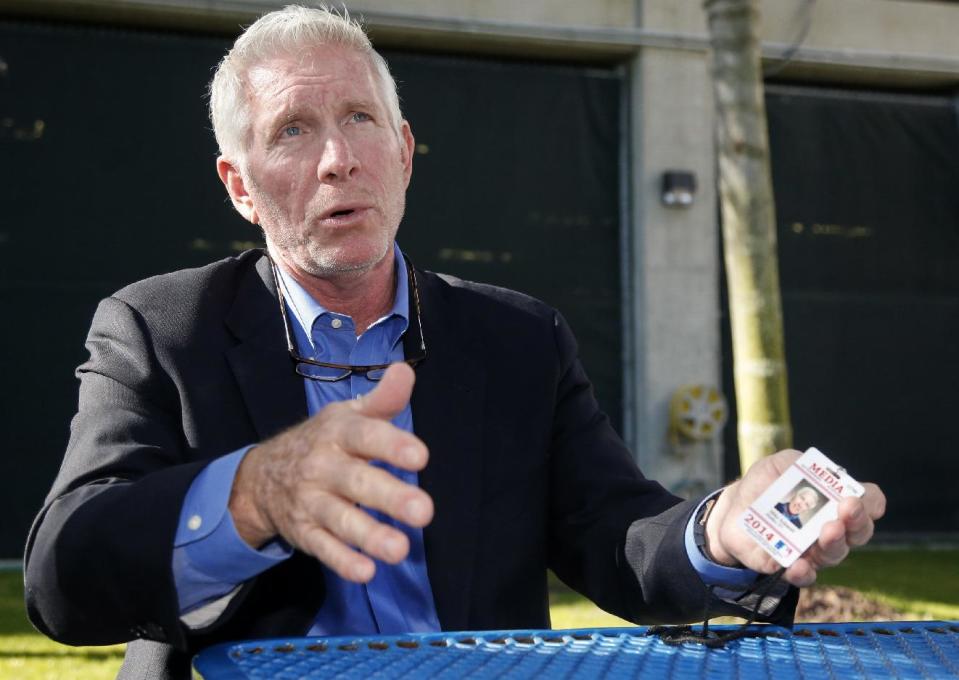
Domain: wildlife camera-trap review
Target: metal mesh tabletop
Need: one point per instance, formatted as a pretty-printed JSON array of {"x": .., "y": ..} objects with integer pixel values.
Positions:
[{"x": 922, "y": 649}]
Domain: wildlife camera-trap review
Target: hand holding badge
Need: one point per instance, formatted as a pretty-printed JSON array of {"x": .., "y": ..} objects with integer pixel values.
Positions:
[
  {"x": 795, "y": 510},
  {"x": 788, "y": 517},
  {"x": 784, "y": 505}
]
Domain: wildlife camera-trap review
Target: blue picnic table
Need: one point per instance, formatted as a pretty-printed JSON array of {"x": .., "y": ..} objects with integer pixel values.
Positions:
[{"x": 848, "y": 651}]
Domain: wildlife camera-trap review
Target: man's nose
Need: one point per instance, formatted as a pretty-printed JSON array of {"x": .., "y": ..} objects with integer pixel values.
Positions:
[{"x": 337, "y": 161}]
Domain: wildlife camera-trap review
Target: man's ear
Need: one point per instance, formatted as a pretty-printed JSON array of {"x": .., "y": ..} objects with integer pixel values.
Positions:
[
  {"x": 236, "y": 188},
  {"x": 407, "y": 145}
]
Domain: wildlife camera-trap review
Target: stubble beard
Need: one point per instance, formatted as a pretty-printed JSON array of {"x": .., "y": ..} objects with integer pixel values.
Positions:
[{"x": 325, "y": 262}]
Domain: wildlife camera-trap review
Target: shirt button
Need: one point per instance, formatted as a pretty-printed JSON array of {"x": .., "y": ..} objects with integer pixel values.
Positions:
[
  {"x": 194, "y": 522},
  {"x": 336, "y": 323}
]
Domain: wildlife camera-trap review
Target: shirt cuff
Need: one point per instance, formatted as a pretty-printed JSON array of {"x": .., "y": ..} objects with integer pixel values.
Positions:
[
  {"x": 711, "y": 573},
  {"x": 209, "y": 557}
]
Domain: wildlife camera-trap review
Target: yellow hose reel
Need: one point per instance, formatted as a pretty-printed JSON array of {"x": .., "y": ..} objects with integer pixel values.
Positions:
[{"x": 698, "y": 412}]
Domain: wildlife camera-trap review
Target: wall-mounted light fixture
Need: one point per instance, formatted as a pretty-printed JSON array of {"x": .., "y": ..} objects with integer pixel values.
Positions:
[{"x": 679, "y": 187}]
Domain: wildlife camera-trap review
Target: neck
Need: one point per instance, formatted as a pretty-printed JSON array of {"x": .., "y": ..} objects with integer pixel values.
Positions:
[{"x": 363, "y": 296}]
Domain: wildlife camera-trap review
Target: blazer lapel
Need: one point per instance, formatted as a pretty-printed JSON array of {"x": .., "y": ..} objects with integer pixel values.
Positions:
[
  {"x": 273, "y": 393},
  {"x": 448, "y": 401}
]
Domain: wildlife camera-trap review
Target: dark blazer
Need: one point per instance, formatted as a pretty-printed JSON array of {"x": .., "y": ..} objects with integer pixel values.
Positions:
[{"x": 525, "y": 471}]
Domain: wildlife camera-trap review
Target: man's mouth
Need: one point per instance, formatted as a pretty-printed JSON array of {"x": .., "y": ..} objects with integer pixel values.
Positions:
[{"x": 344, "y": 213}]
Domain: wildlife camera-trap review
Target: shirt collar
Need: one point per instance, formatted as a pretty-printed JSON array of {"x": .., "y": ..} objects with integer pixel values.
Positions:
[{"x": 306, "y": 310}]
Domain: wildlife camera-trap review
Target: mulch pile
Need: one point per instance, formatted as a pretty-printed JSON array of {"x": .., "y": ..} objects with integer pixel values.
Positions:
[{"x": 837, "y": 604}]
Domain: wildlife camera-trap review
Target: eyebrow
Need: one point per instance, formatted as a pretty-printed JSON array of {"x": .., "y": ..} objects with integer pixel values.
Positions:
[
  {"x": 286, "y": 116},
  {"x": 361, "y": 104},
  {"x": 291, "y": 114}
]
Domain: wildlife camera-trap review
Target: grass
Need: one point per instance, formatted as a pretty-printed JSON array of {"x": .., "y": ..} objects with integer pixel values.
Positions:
[
  {"x": 33, "y": 657},
  {"x": 27, "y": 655},
  {"x": 923, "y": 584},
  {"x": 920, "y": 584}
]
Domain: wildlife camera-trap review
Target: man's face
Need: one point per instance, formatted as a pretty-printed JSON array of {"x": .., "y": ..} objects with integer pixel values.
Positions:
[
  {"x": 799, "y": 504},
  {"x": 325, "y": 173}
]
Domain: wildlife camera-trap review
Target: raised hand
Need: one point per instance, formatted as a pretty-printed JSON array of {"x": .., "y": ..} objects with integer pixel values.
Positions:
[{"x": 306, "y": 483}]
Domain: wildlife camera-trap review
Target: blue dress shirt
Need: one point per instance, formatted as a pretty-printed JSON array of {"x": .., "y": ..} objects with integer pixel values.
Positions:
[{"x": 210, "y": 560}]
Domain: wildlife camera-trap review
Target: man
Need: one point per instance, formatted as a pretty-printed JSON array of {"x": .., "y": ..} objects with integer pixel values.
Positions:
[
  {"x": 197, "y": 501},
  {"x": 802, "y": 500}
]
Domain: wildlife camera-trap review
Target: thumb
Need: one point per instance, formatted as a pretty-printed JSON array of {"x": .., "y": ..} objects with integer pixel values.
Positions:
[{"x": 391, "y": 395}]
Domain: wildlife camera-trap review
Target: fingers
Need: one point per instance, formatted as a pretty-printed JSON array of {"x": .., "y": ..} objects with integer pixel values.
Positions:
[
  {"x": 854, "y": 527},
  {"x": 800, "y": 573},
  {"x": 859, "y": 514},
  {"x": 331, "y": 528},
  {"x": 374, "y": 438},
  {"x": 763, "y": 473},
  {"x": 379, "y": 440},
  {"x": 832, "y": 546},
  {"x": 336, "y": 555},
  {"x": 856, "y": 520},
  {"x": 391, "y": 394},
  {"x": 354, "y": 527},
  {"x": 375, "y": 488},
  {"x": 874, "y": 501},
  {"x": 783, "y": 460}
]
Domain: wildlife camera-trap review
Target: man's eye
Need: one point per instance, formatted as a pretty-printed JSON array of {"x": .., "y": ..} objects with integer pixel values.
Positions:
[
  {"x": 291, "y": 131},
  {"x": 360, "y": 117}
]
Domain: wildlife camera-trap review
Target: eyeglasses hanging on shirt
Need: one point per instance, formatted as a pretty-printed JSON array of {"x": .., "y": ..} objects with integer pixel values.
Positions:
[{"x": 329, "y": 372}]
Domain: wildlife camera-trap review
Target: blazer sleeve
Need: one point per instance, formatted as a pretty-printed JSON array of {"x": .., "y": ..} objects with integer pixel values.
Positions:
[
  {"x": 616, "y": 536},
  {"x": 97, "y": 567}
]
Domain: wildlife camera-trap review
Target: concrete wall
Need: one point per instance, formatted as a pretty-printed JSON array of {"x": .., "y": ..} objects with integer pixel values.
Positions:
[
  {"x": 676, "y": 273},
  {"x": 673, "y": 280},
  {"x": 675, "y": 270}
]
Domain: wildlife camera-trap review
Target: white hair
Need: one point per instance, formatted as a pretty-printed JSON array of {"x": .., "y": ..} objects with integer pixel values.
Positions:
[
  {"x": 810, "y": 494},
  {"x": 287, "y": 31}
]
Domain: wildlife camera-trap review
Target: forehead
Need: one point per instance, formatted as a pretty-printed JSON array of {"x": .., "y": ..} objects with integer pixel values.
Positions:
[{"x": 324, "y": 74}]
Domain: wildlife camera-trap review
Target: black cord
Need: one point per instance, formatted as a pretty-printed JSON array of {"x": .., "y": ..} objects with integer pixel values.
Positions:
[{"x": 677, "y": 635}]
